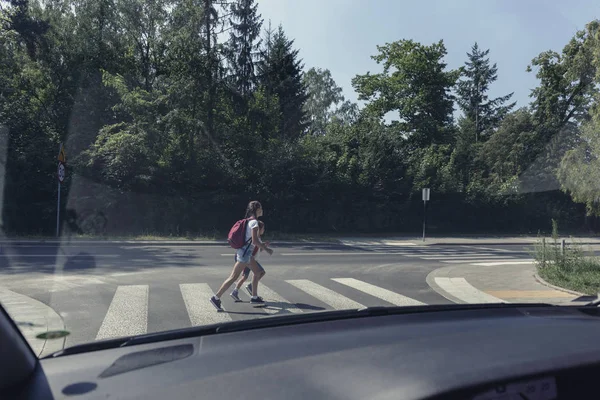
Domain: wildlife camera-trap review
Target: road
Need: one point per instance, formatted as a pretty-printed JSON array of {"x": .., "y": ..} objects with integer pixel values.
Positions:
[{"x": 109, "y": 290}]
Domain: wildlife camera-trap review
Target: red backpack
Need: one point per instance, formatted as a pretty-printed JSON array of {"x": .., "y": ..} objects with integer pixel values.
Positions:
[{"x": 237, "y": 234}]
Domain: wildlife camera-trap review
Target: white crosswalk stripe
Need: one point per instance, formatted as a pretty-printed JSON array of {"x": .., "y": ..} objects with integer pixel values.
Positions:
[
  {"x": 127, "y": 313},
  {"x": 274, "y": 303},
  {"x": 464, "y": 291},
  {"x": 327, "y": 296},
  {"x": 196, "y": 297},
  {"x": 467, "y": 255},
  {"x": 376, "y": 291}
]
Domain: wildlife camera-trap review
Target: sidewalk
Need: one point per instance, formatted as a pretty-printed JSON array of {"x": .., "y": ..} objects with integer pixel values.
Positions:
[
  {"x": 493, "y": 284},
  {"x": 33, "y": 318}
]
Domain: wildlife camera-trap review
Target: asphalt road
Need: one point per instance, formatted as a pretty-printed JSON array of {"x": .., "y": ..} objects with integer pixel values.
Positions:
[{"x": 110, "y": 290}]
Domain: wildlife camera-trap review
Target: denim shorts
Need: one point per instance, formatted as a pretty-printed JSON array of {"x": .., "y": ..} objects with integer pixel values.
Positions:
[
  {"x": 244, "y": 254},
  {"x": 247, "y": 269}
]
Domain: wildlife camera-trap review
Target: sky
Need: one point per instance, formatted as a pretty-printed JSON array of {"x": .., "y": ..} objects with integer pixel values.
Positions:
[{"x": 342, "y": 35}]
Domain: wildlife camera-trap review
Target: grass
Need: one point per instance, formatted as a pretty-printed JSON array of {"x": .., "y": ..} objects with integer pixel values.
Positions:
[{"x": 572, "y": 268}]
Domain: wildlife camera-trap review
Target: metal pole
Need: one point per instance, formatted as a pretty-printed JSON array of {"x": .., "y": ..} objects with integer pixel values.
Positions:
[
  {"x": 562, "y": 247},
  {"x": 543, "y": 251},
  {"x": 424, "y": 217},
  {"x": 58, "y": 201},
  {"x": 58, "y": 212}
]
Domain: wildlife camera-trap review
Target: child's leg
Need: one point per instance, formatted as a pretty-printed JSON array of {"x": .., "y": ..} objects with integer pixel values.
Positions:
[
  {"x": 243, "y": 278},
  {"x": 262, "y": 271},
  {"x": 237, "y": 270},
  {"x": 257, "y": 273}
]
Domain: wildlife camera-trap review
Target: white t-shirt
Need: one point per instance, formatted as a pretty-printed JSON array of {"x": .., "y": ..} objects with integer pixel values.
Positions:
[{"x": 253, "y": 223}]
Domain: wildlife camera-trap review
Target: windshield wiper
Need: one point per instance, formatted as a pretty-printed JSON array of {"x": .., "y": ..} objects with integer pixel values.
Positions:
[{"x": 269, "y": 322}]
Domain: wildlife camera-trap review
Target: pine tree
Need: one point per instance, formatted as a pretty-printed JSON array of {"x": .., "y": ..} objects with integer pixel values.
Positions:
[
  {"x": 472, "y": 93},
  {"x": 280, "y": 72},
  {"x": 243, "y": 44}
]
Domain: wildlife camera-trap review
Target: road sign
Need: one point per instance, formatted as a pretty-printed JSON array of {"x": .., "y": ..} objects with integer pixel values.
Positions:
[
  {"x": 61, "y": 172},
  {"x": 62, "y": 155},
  {"x": 426, "y": 194}
]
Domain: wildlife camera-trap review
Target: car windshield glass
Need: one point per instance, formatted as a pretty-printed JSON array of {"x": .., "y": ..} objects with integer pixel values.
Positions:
[{"x": 173, "y": 164}]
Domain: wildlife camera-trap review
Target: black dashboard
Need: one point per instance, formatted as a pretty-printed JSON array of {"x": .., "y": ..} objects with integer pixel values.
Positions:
[{"x": 508, "y": 352}]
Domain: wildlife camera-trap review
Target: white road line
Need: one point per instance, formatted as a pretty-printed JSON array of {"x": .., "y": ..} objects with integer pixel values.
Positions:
[
  {"x": 127, "y": 314},
  {"x": 491, "y": 249},
  {"x": 329, "y": 297},
  {"x": 16, "y": 255},
  {"x": 507, "y": 262},
  {"x": 196, "y": 297},
  {"x": 482, "y": 259},
  {"x": 467, "y": 257},
  {"x": 452, "y": 255},
  {"x": 376, "y": 291},
  {"x": 465, "y": 292},
  {"x": 345, "y": 253},
  {"x": 274, "y": 303}
]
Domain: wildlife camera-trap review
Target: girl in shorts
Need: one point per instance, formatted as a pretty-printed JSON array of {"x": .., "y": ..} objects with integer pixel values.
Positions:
[
  {"x": 246, "y": 273},
  {"x": 244, "y": 255}
]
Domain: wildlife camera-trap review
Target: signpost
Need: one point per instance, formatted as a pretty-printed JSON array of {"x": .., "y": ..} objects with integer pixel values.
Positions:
[
  {"x": 426, "y": 193},
  {"x": 61, "y": 173}
]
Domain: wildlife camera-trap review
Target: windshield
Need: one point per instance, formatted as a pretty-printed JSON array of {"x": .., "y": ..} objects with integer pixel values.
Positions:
[{"x": 169, "y": 164}]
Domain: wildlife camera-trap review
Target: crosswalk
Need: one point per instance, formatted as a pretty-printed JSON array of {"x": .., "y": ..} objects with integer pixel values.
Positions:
[
  {"x": 128, "y": 311},
  {"x": 464, "y": 255}
]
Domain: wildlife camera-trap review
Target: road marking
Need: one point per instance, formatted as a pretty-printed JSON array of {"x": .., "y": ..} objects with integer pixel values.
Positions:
[
  {"x": 464, "y": 291},
  {"x": 280, "y": 304},
  {"x": 17, "y": 255},
  {"x": 507, "y": 262},
  {"x": 127, "y": 314},
  {"x": 132, "y": 273},
  {"x": 468, "y": 257},
  {"x": 376, "y": 291},
  {"x": 491, "y": 249},
  {"x": 329, "y": 297},
  {"x": 533, "y": 294},
  {"x": 482, "y": 259},
  {"x": 452, "y": 255},
  {"x": 196, "y": 297},
  {"x": 345, "y": 253}
]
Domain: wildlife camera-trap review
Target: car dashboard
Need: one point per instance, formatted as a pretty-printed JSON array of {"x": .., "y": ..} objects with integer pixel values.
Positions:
[{"x": 503, "y": 352}]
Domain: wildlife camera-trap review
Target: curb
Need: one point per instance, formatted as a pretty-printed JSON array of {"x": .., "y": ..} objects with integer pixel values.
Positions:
[
  {"x": 25, "y": 309},
  {"x": 561, "y": 289},
  {"x": 430, "y": 280}
]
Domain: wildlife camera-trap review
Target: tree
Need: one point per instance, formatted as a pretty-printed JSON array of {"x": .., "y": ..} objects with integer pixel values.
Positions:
[
  {"x": 280, "y": 72},
  {"x": 415, "y": 84},
  {"x": 323, "y": 94},
  {"x": 566, "y": 86},
  {"x": 243, "y": 44},
  {"x": 561, "y": 102},
  {"x": 472, "y": 92},
  {"x": 509, "y": 152},
  {"x": 579, "y": 170}
]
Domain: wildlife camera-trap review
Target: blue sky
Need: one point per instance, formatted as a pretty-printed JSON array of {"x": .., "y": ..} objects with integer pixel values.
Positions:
[{"x": 341, "y": 35}]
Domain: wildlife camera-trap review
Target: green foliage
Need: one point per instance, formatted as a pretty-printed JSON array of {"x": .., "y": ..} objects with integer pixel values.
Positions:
[
  {"x": 485, "y": 113},
  {"x": 413, "y": 84},
  {"x": 567, "y": 265},
  {"x": 162, "y": 121}
]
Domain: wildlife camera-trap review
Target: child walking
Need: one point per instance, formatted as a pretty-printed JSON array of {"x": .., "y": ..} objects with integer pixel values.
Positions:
[
  {"x": 253, "y": 260},
  {"x": 243, "y": 256}
]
